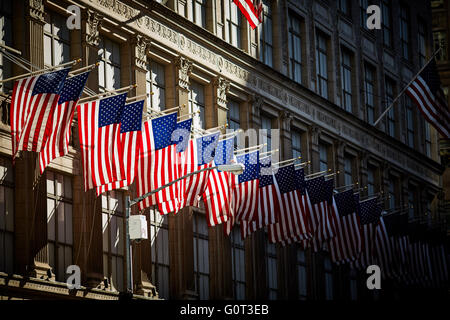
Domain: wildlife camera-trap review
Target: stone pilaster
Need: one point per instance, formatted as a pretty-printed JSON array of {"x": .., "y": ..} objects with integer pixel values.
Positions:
[{"x": 183, "y": 68}]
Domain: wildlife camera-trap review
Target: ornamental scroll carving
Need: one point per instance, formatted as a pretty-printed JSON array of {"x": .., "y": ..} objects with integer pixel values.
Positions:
[
  {"x": 257, "y": 102},
  {"x": 184, "y": 68},
  {"x": 94, "y": 21},
  {"x": 222, "y": 87},
  {"x": 140, "y": 46},
  {"x": 286, "y": 120},
  {"x": 36, "y": 9}
]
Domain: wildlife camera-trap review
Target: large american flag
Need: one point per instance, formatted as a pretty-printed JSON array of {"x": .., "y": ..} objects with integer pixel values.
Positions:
[
  {"x": 346, "y": 245},
  {"x": 99, "y": 134},
  {"x": 131, "y": 140},
  {"x": 157, "y": 165},
  {"x": 293, "y": 224},
  {"x": 268, "y": 204},
  {"x": 383, "y": 246},
  {"x": 251, "y": 10},
  {"x": 369, "y": 215},
  {"x": 216, "y": 196},
  {"x": 245, "y": 191},
  {"x": 33, "y": 101},
  {"x": 426, "y": 92},
  {"x": 320, "y": 193},
  {"x": 57, "y": 143}
]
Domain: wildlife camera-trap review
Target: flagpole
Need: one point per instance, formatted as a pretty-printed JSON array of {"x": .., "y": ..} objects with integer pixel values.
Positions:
[
  {"x": 317, "y": 173},
  {"x": 87, "y": 68},
  {"x": 250, "y": 148},
  {"x": 268, "y": 153},
  {"x": 162, "y": 112},
  {"x": 130, "y": 99},
  {"x": 92, "y": 98},
  {"x": 286, "y": 161},
  {"x": 29, "y": 74},
  {"x": 406, "y": 87}
]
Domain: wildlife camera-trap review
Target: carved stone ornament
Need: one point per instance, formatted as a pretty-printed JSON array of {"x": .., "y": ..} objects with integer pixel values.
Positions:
[
  {"x": 315, "y": 131},
  {"x": 94, "y": 21},
  {"x": 140, "y": 47},
  {"x": 184, "y": 67},
  {"x": 286, "y": 120},
  {"x": 256, "y": 102},
  {"x": 222, "y": 86},
  {"x": 36, "y": 9}
]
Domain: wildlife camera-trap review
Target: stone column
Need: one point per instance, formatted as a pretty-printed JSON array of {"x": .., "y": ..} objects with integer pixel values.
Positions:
[{"x": 340, "y": 162}]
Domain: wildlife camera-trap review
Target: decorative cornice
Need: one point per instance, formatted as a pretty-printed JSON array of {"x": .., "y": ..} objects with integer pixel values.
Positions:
[
  {"x": 184, "y": 68},
  {"x": 222, "y": 86},
  {"x": 140, "y": 44},
  {"x": 94, "y": 21}
]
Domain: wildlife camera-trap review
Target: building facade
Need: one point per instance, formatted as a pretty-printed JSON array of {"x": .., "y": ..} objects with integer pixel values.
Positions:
[{"x": 312, "y": 71}]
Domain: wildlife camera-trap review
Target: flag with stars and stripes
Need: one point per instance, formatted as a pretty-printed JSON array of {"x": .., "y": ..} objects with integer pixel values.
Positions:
[
  {"x": 320, "y": 193},
  {"x": 426, "y": 92},
  {"x": 131, "y": 140},
  {"x": 268, "y": 204},
  {"x": 346, "y": 245},
  {"x": 157, "y": 165},
  {"x": 217, "y": 194},
  {"x": 383, "y": 250},
  {"x": 251, "y": 11},
  {"x": 369, "y": 216},
  {"x": 293, "y": 220},
  {"x": 245, "y": 191},
  {"x": 32, "y": 103},
  {"x": 99, "y": 134},
  {"x": 57, "y": 143}
]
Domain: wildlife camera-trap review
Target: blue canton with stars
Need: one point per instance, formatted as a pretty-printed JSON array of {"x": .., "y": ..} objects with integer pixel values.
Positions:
[
  {"x": 206, "y": 148},
  {"x": 131, "y": 117},
  {"x": 315, "y": 189},
  {"x": 73, "y": 87},
  {"x": 300, "y": 180},
  {"x": 345, "y": 202},
  {"x": 51, "y": 82},
  {"x": 110, "y": 109},
  {"x": 181, "y": 134},
  {"x": 251, "y": 163},
  {"x": 370, "y": 211},
  {"x": 286, "y": 179},
  {"x": 327, "y": 191},
  {"x": 163, "y": 128},
  {"x": 224, "y": 151},
  {"x": 266, "y": 173}
]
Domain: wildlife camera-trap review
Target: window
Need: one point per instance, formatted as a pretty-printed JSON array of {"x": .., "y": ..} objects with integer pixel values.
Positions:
[
  {"x": 156, "y": 83},
  {"x": 113, "y": 226},
  {"x": 233, "y": 119},
  {"x": 238, "y": 258},
  {"x": 109, "y": 68},
  {"x": 345, "y": 7},
  {"x": 6, "y": 36},
  {"x": 199, "y": 12},
  {"x": 59, "y": 223},
  {"x": 346, "y": 73},
  {"x": 404, "y": 32},
  {"x": 201, "y": 256},
  {"x": 371, "y": 186},
  {"x": 369, "y": 83},
  {"x": 197, "y": 102},
  {"x": 323, "y": 157},
  {"x": 390, "y": 128},
  {"x": 272, "y": 274},
  {"x": 328, "y": 269},
  {"x": 409, "y": 121},
  {"x": 301, "y": 274},
  {"x": 348, "y": 170},
  {"x": 363, "y": 4},
  {"x": 440, "y": 40},
  {"x": 234, "y": 24},
  {"x": 427, "y": 139},
  {"x": 321, "y": 65},
  {"x": 6, "y": 216},
  {"x": 266, "y": 135},
  {"x": 422, "y": 43},
  {"x": 266, "y": 39},
  {"x": 56, "y": 39},
  {"x": 159, "y": 240},
  {"x": 386, "y": 22},
  {"x": 296, "y": 143},
  {"x": 295, "y": 48}
]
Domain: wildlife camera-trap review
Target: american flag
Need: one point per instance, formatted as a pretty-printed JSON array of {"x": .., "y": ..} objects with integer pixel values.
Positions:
[
  {"x": 57, "y": 143},
  {"x": 369, "y": 216},
  {"x": 320, "y": 193},
  {"x": 33, "y": 101},
  {"x": 346, "y": 245},
  {"x": 157, "y": 165},
  {"x": 426, "y": 92},
  {"x": 293, "y": 224},
  {"x": 99, "y": 133},
  {"x": 180, "y": 137},
  {"x": 245, "y": 191},
  {"x": 383, "y": 246},
  {"x": 131, "y": 140},
  {"x": 216, "y": 196},
  {"x": 251, "y": 11},
  {"x": 268, "y": 204}
]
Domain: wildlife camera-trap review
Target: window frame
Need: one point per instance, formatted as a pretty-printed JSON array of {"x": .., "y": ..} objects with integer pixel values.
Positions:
[
  {"x": 105, "y": 61},
  {"x": 237, "y": 24},
  {"x": 293, "y": 36},
  {"x": 270, "y": 256},
  {"x": 405, "y": 26},
  {"x": 198, "y": 105},
  {"x": 55, "y": 38},
  {"x": 202, "y": 5},
  {"x": 322, "y": 79},
  {"x": 237, "y": 246},
  {"x": 386, "y": 18},
  {"x": 152, "y": 85},
  {"x": 370, "y": 108},
  {"x": 266, "y": 40},
  {"x": 196, "y": 217},
  {"x": 391, "y": 125},
  {"x": 346, "y": 71},
  {"x": 302, "y": 265},
  {"x": 7, "y": 183}
]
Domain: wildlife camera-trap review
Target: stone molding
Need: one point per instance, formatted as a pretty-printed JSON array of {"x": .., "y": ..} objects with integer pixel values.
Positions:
[{"x": 184, "y": 69}]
